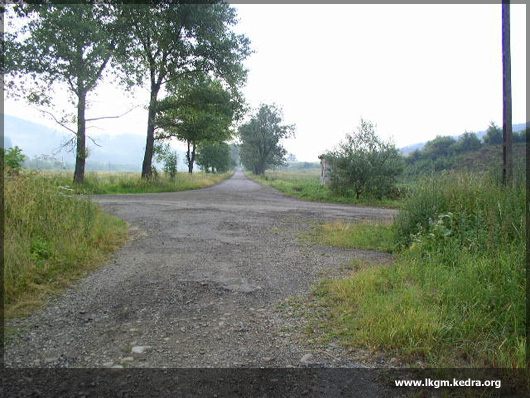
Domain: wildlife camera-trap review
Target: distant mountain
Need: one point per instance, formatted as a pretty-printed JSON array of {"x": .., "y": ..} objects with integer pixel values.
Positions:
[
  {"x": 123, "y": 150},
  {"x": 411, "y": 148}
]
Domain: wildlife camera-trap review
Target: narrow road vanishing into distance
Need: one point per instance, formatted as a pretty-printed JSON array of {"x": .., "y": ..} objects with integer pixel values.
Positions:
[{"x": 197, "y": 285}]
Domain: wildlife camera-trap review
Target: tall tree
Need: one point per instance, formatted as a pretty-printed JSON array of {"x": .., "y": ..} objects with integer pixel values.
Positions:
[
  {"x": 68, "y": 44},
  {"x": 168, "y": 41},
  {"x": 507, "y": 160},
  {"x": 214, "y": 156},
  {"x": 200, "y": 110},
  {"x": 260, "y": 138}
]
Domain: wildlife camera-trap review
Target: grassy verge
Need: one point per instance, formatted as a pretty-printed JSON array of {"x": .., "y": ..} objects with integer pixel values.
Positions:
[
  {"x": 51, "y": 238},
  {"x": 455, "y": 297},
  {"x": 123, "y": 183},
  {"x": 363, "y": 235},
  {"x": 306, "y": 186}
]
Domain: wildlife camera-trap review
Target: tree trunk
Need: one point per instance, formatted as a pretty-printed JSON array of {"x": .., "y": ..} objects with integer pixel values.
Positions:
[
  {"x": 191, "y": 158},
  {"x": 507, "y": 159},
  {"x": 188, "y": 157},
  {"x": 80, "y": 153},
  {"x": 147, "y": 170}
]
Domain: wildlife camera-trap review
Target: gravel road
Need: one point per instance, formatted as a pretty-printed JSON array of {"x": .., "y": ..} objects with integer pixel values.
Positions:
[{"x": 197, "y": 285}]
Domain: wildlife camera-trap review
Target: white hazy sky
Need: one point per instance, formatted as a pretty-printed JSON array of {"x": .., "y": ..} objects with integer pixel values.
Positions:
[{"x": 417, "y": 71}]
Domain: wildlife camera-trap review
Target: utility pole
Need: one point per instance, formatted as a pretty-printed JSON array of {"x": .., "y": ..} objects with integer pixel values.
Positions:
[{"x": 507, "y": 157}]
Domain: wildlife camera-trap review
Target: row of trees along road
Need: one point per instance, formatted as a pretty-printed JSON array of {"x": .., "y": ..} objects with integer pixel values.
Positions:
[
  {"x": 215, "y": 157},
  {"x": 260, "y": 137},
  {"x": 75, "y": 45},
  {"x": 199, "y": 109}
]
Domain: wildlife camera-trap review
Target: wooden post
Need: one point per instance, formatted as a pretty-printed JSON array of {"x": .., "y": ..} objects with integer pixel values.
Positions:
[{"x": 507, "y": 158}]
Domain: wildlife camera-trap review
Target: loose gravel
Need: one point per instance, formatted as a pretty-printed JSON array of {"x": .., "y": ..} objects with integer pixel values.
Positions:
[{"x": 198, "y": 285}]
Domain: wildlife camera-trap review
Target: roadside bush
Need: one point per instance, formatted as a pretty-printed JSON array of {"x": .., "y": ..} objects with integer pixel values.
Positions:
[
  {"x": 364, "y": 165},
  {"x": 169, "y": 160},
  {"x": 12, "y": 159}
]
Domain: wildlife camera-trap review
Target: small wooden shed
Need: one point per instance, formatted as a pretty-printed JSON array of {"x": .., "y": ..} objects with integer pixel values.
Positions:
[{"x": 325, "y": 168}]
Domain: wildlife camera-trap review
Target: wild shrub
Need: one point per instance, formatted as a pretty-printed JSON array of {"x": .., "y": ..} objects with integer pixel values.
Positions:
[
  {"x": 12, "y": 159},
  {"x": 364, "y": 165}
]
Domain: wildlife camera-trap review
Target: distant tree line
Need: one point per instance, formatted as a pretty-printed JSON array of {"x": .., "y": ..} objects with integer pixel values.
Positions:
[{"x": 441, "y": 153}]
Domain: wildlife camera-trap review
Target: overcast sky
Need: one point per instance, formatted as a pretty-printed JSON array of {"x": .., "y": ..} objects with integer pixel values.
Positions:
[{"x": 417, "y": 71}]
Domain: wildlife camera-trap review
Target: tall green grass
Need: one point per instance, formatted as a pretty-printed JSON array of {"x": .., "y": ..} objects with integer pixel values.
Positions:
[
  {"x": 456, "y": 294},
  {"x": 51, "y": 237},
  {"x": 123, "y": 183},
  {"x": 306, "y": 185},
  {"x": 361, "y": 235}
]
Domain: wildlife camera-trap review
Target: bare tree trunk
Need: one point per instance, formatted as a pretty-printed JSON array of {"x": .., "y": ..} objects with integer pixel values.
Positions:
[
  {"x": 147, "y": 171},
  {"x": 507, "y": 157},
  {"x": 80, "y": 153}
]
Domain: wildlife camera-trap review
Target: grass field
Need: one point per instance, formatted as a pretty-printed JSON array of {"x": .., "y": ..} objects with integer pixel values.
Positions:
[
  {"x": 306, "y": 185},
  {"x": 122, "y": 183},
  {"x": 51, "y": 238},
  {"x": 455, "y": 296}
]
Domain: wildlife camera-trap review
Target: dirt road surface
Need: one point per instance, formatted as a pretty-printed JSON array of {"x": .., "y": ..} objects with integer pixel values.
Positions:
[{"x": 197, "y": 285}]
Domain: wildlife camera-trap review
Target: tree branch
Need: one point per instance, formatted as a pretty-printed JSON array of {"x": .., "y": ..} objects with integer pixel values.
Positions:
[
  {"x": 58, "y": 121},
  {"x": 93, "y": 141},
  {"x": 69, "y": 129},
  {"x": 112, "y": 117}
]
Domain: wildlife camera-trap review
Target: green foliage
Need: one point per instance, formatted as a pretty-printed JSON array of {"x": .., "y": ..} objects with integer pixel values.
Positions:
[
  {"x": 51, "y": 238},
  {"x": 305, "y": 184},
  {"x": 456, "y": 294},
  {"x": 201, "y": 110},
  {"x": 168, "y": 42},
  {"x": 441, "y": 146},
  {"x": 365, "y": 165},
  {"x": 493, "y": 135},
  {"x": 13, "y": 158},
  {"x": 468, "y": 142},
  {"x": 214, "y": 156},
  {"x": 260, "y": 147},
  {"x": 467, "y": 153},
  {"x": 69, "y": 44},
  {"x": 463, "y": 194},
  {"x": 169, "y": 159}
]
